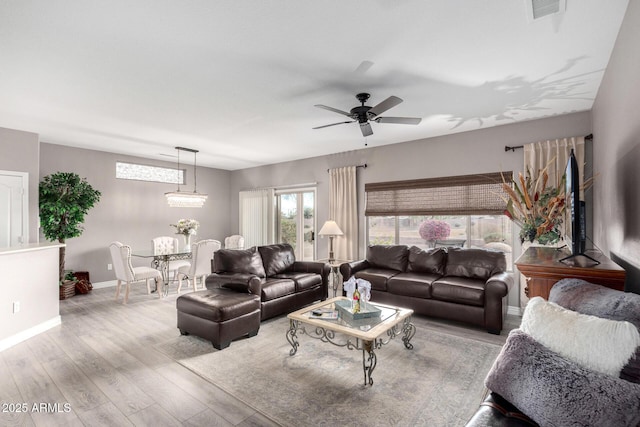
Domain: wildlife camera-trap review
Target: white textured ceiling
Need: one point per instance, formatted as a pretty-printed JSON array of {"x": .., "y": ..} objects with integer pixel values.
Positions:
[{"x": 238, "y": 80}]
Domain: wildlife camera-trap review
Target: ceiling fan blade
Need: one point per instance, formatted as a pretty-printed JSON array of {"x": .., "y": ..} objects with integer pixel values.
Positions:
[
  {"x": 366, "y": 130},
  {"x": 332, "y": 124},
  {"x": 363, "y": 67},
  {"x": 399, "y": 120},
  {"x": 388, "y": 103},
  {"x": 335, "y": 110}
]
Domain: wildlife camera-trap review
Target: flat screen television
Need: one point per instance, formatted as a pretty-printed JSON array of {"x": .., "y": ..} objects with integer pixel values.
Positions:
[{"x": 575, "y": 223}]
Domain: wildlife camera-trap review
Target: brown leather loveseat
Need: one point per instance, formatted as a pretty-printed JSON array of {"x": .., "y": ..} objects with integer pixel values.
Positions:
[
  {"x": 468, "y": 285},
  {"x": 272, "y": 272}
]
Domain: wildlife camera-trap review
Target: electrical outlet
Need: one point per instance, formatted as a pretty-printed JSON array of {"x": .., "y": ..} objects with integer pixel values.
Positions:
[
  {"x": 109, "y": 267},
  {"x": 16, "y": 307}
]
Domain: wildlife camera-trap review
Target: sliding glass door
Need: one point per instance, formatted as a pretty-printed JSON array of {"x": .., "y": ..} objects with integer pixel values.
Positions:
[{"x": 296, "y": 221}]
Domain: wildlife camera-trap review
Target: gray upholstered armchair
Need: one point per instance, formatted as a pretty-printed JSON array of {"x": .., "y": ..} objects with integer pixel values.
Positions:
[{"x": 532, "y": 383}]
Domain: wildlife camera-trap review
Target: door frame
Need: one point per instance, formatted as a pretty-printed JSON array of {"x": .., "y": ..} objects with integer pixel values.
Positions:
[
  {"x": 300, "y": 224},
  {"x": 24, "y": 176}
]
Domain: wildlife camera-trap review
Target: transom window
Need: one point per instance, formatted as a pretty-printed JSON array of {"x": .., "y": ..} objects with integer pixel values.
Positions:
[{"x": 138, "y": 172}]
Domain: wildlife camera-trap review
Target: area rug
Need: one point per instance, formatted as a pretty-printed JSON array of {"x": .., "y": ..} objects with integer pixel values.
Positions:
[{"x": 437, "y": 383}]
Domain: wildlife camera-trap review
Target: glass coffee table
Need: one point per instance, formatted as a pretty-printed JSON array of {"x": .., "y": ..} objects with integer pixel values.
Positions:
[{"x": 365, "y": 334}]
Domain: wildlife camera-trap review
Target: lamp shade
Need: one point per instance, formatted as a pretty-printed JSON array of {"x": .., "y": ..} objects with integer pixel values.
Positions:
[{"x": 330, "y": 228}]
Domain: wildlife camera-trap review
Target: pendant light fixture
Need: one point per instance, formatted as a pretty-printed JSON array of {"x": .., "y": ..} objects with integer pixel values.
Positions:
[{"x": 184, "y": 199}]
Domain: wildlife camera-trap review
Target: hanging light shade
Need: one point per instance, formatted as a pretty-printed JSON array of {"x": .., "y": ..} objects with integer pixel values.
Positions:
[
  {"x": 185, "y": 199},
  {"x": 181, "y": 199}
]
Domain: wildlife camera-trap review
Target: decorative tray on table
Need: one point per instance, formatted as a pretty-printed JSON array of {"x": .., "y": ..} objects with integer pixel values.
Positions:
[{"x": 346, "y": 311}]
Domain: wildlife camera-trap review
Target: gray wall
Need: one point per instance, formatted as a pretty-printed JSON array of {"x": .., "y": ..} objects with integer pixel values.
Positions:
[
  {"x": 19, "y": 152},
  {"x": 616, "y": 130},
  {"x": 459, "y": 154},
  {"x": 34, "y": 285},
  {"x": 132, "y": 212}
]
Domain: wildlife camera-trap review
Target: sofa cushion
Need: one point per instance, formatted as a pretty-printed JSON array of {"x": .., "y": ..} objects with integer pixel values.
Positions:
[
  {"x": 377, "y": 277},
  {"x": 427, "y": 261},
  {"x": 303, "y": 281},
  {"x": 276, "y": 288},
  {"x": 392, "y": 257},
  {"x": 417, "y": 285},
  {"x": 588, "y": 298},
  {"x": 238, "y": 261},
  {"x": 555, "y": 391},
  {"x": 459, "y": 290},
  {"x": 599, "y": 344},
  {"x": 474, "y": 263},
  {"x": 277, "y": 258}
]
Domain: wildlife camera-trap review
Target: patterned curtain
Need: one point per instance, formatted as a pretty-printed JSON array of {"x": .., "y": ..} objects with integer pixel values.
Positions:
[{"x": 538, "y": 154}]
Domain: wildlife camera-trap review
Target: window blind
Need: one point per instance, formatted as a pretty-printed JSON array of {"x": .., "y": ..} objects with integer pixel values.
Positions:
[
  {"x": 257, "y": 222},
  {"x": 455, "y": 195}
]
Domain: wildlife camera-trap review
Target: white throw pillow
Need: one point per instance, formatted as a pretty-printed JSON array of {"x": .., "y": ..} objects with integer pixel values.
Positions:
[{"x": 600, "y": 344}]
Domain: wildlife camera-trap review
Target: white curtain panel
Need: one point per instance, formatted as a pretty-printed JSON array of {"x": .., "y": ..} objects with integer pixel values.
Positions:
[
  {"x": 343, "y": 209},
  {"x": 538, "y": 154},
  {"x": 257, "y": 223}
]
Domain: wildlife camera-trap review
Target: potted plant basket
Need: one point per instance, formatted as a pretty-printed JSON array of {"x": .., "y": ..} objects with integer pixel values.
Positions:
[{"x": 68, "y": 286}]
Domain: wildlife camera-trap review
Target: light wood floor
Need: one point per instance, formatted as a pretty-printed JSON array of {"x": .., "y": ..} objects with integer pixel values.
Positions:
[{"x": 100, "y": 367}]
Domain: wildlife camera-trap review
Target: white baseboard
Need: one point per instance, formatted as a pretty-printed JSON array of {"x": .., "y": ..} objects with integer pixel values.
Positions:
[
  {"x": 29, "y": 333},
  {"x": 107, "y": 284},
  {"x": 515, "y": 311}
]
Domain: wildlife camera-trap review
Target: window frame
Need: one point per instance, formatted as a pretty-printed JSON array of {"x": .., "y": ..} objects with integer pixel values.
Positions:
[{"x": 181, "y": 173}]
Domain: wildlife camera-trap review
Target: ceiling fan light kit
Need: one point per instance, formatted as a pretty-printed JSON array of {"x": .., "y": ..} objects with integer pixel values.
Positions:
[
  {"x": 363, "y": 114},
  {"x": 181, "y": 199}
]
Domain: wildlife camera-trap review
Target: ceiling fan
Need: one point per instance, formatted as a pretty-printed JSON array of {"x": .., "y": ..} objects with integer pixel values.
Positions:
[{"x": 363, "y": 113}]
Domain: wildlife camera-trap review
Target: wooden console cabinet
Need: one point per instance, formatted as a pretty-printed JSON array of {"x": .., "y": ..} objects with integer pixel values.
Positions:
[{"x": 542, "y": 268}]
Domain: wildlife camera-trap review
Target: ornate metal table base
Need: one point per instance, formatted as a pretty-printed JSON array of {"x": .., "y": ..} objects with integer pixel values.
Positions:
[
  {"x": 161, "y": 262},
  {"x": 369, "y": 357}
]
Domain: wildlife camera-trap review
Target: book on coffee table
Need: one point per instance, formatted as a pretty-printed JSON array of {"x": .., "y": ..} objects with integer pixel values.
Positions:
[{"x": 324, "y": 313}]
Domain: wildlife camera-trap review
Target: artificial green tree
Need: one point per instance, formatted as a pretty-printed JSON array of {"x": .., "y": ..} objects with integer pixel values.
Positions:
[{"x": 65, "y": 199}]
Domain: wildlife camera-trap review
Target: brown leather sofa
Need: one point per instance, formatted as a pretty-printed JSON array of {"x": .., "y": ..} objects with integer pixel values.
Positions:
[
  {"x": 468, "y": 285},
  {"x": 272, "y": 272}
]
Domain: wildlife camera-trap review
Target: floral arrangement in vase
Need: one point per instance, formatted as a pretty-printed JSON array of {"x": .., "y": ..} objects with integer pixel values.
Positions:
[
  {"x": 434, "y": 229},
  {"x": 186, "y": 226},
  {"x": 538, "y": 208}
]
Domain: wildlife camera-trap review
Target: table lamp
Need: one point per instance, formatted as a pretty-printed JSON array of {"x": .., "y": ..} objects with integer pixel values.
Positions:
[{"x": 331, "y": 229}]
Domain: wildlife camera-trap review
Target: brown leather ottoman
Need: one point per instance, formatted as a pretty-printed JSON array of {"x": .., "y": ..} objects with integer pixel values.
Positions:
[{"x": 218, "y": 315}]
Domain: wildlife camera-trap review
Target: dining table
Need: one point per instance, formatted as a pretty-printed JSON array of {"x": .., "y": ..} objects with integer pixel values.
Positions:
[{"x": 161, "y": 261}]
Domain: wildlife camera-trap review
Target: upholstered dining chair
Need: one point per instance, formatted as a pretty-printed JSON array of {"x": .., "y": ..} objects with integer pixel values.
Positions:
[
  {"x": 125, "y": 272},
  {"x": 235, "y": 241},
  {"x": 169, "y": 245},
  {"x": 201, "y": 256}
]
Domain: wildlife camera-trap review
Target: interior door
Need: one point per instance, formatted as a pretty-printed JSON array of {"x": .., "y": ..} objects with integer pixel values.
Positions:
[
  {"x": 14, "y": 208},
  {"x": 296, "y": 222}
]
